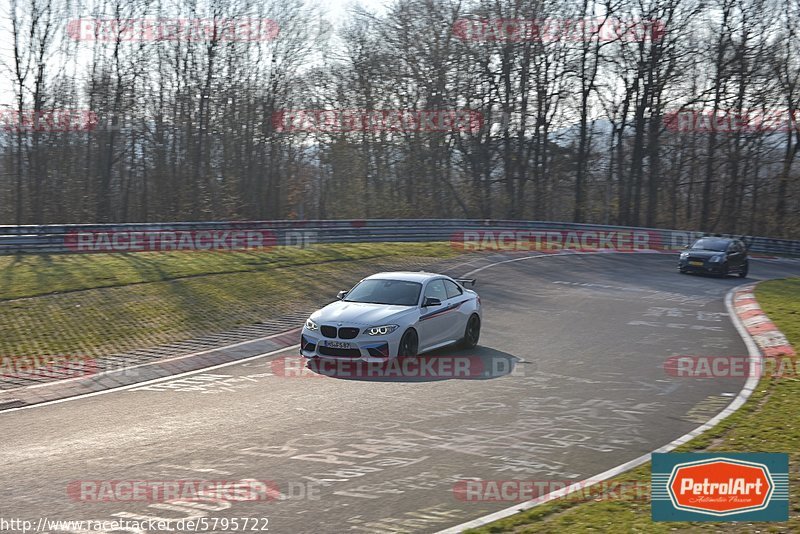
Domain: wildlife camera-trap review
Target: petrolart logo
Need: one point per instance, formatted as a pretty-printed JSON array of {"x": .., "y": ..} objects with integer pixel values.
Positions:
[{"x": 720, "y": 487}]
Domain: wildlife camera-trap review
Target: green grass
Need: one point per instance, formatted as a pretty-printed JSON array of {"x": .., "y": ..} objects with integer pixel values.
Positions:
[
  {"x": 43, "y": 274},
  {"x": 780, "y": 299},
  {"x": 768, "y": 422},
  {"x": 95, "y": 304}
]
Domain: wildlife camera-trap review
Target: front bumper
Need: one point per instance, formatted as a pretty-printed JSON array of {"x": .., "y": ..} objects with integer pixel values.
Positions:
[
  {"x": 363, "y": 347},
  {"x": 692, "y": 266}
]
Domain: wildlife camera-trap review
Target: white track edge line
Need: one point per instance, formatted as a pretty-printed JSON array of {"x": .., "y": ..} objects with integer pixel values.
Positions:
[
  {"x": 149, "y": 382},
  {"x": 748, "y": 388},
  {"x": 147, "y": 364}
]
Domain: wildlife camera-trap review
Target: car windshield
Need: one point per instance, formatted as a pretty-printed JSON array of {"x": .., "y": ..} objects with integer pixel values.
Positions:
[
  {"x": 377, "y": 291},
  {"x": 717, "y": 245}
]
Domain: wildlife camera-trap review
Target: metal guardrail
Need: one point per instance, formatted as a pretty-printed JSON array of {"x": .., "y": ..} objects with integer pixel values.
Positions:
[{"x": 65, "y": 238}]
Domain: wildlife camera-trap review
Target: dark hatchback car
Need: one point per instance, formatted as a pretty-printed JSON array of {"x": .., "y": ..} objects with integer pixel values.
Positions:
[{"x": 715, "y": 255}]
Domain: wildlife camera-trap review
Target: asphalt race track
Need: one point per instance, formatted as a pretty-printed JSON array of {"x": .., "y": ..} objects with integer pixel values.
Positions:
[{"x": 580, "y": 388}]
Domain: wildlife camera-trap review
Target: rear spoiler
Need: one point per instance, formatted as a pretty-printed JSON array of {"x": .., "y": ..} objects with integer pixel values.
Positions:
[{"x": 466, "y": 281}]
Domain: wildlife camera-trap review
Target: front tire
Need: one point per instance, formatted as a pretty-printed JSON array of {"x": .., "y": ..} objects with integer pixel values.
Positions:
[
  {"x": 472, "y": 333},
  {"x": 745, "y": 269},
  {"x": 409, "y": 344}
]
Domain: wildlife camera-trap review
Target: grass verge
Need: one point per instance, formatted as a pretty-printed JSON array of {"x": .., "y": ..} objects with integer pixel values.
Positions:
[
  {"x": 96, "y": 304},
  {"x": 766, "y": 423}
]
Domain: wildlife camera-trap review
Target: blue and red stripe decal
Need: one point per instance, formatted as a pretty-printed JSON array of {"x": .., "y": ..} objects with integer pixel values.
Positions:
[{"x": 453, "y": 307}]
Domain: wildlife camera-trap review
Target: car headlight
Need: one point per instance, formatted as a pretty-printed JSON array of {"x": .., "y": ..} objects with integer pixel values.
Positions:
[
  {"x": 381, "y": 330},
  {"x": 716, "y": 259},
  {"x": 684, "y": 255},
  {"x": 311, "y": 325}
]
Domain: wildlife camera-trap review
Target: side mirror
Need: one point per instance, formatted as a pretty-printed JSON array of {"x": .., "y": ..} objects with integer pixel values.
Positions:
[
  {"x": 431, "y": 301},
  {"x": 341, "y": 294},
  {"x": 686, "y": 246}
]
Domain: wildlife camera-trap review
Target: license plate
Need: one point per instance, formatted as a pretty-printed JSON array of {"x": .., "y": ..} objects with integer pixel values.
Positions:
[
  {"x": 337, "y": 344},
  {"x": 696, "y": 263}
]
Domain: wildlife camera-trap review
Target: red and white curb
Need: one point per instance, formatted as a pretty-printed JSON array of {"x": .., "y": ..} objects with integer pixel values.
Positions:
[
  {"x": 761, "y": 337},
  {"x": 769, "y": 339}
]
